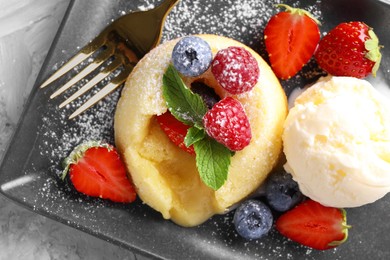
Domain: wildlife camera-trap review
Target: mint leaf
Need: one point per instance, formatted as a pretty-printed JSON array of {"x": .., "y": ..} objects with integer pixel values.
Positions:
[
  {"x": 194, "y": 135},
  {"x": 212, "y": 158},
  {"x": 212, "y": 161},
  {"x": 186, "y": 106}
]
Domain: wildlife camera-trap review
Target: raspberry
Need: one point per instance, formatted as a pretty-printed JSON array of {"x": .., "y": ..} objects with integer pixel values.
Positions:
[
  {"x": 227, "y": 123},
  {"x": 235, "y": 69}
]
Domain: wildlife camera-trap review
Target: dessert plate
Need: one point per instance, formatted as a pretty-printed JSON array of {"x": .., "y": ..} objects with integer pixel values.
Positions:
[{"x": 29, "y": 174}]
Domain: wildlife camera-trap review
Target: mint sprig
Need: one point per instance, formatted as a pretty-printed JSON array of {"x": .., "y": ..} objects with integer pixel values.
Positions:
[
  {"x": 194, "y": 135},
  {"x": 212, "y": 158},
  {"x": 212, "y": 161},
  {"x": 185, "y": 105}
]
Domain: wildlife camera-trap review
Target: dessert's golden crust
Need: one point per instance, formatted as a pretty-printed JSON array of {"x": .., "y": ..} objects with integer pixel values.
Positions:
[{"x": 165, "y": 177}]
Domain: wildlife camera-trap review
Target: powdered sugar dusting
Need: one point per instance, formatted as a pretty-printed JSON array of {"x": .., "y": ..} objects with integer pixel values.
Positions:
[{"x": 241, "y": 20}]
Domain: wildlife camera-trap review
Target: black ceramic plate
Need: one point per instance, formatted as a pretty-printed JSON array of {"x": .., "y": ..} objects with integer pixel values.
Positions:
[{"x": 30, "y": 169}]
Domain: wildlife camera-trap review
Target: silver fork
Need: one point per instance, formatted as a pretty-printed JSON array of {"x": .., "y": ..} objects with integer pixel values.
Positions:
[{"x": 119, "y": 46}]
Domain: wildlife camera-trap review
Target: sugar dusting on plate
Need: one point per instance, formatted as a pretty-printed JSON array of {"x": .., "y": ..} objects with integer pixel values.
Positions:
[{"x": 240, "y": 20}]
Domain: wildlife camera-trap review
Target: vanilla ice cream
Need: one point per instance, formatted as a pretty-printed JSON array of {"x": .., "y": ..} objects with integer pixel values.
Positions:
[{"x": 337, "y": 142}]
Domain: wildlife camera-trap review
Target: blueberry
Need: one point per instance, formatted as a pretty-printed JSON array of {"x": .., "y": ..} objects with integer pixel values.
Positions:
[
  {"x": 253, "y": 219},
  {"x": 191, "y": 56},
  {"x": 282, "y": 192}
]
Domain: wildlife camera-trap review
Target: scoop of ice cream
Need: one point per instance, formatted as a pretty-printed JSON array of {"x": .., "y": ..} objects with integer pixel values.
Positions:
[{"x": 337, "y": 142}]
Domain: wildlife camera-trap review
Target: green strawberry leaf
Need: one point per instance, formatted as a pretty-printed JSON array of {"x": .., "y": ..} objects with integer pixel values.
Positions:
[
  {"x": 194, "y": 135},
  {"x": 78, "y": 153},
  {"x": 213, "y": 161},
  {"x": 373, "y": 42},
  {"x": 373, "y": 50},
  {"x": 345, "y": 227},
  {"x": 186, "y": 106},
  {"x": 298, "y": 11}
]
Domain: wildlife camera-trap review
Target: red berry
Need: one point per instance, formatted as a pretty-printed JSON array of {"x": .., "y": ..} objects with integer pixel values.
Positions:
[
  {"x": 314, "y": 225},
  {"x": 235, "y": 69},
  {"x": 350, "y": 49},
  {"x": 227, "y": 123},
  {"x": 291, "y": 38},
  {"x": 97, "y": 170},
  {"x": 175, "y": 130}
]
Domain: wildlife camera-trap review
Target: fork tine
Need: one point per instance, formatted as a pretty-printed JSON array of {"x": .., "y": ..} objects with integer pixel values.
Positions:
[
  {"x": 116, "y": 82},
  {"x": 104, "y": 73},
  {"x": 101, "y": 58},
  {"x": 82, "y": 55}
]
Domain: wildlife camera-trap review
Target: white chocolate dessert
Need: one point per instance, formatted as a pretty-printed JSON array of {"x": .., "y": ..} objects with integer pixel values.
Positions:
[{"x": 166, "y": 178}]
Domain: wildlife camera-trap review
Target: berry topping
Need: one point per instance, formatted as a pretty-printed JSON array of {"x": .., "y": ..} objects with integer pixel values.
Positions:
[
  {"x": 227, "y": 123},
  {"x": 253, "y": 219},
  {"x": 235, "y": 69},
  {"x": 175, "y": 130},
  {"x": 97, "y": 170},
  {"x": 282, "y": 192},
  {"x": 314, "y": 225},
  {"x": 191, "y": 56},
  {"x": 350, "y": 49},
  {"x": 291, "y": 38},
  {"x": 212, "y": 158},
  {"x": 208, "y": 94}
]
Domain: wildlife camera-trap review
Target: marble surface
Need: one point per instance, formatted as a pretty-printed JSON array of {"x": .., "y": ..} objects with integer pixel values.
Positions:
[{"x": 27, "y": 29}]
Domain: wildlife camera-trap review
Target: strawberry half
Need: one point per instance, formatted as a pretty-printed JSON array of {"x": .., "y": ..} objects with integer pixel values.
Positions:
[
  {"x": 350, "y": 49},
  {"x": 175, "y": 130},
  {"x": 96, "y": 170},
  {"x": 314, "y": 225},
  {"x": 291, "y": 38}
]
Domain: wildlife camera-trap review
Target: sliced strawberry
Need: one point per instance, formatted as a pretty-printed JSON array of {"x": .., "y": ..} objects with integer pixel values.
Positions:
[
  {"x": 291, "y": 38},
  {"x": 175, "y": 130},
  {"x": 350, "y": 49},
  {"x": 314, "y": 225},
  {"x": 97, "y": 170}
]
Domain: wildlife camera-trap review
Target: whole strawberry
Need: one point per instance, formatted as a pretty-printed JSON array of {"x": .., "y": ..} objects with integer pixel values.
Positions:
[
  {"x": 291, "y": 38},
  {"x": 227, "y": 123},
  {"x": 96, "y": 169},
  {"x": 350, "y": 49},
  {"x": 314, "y": 225}
]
